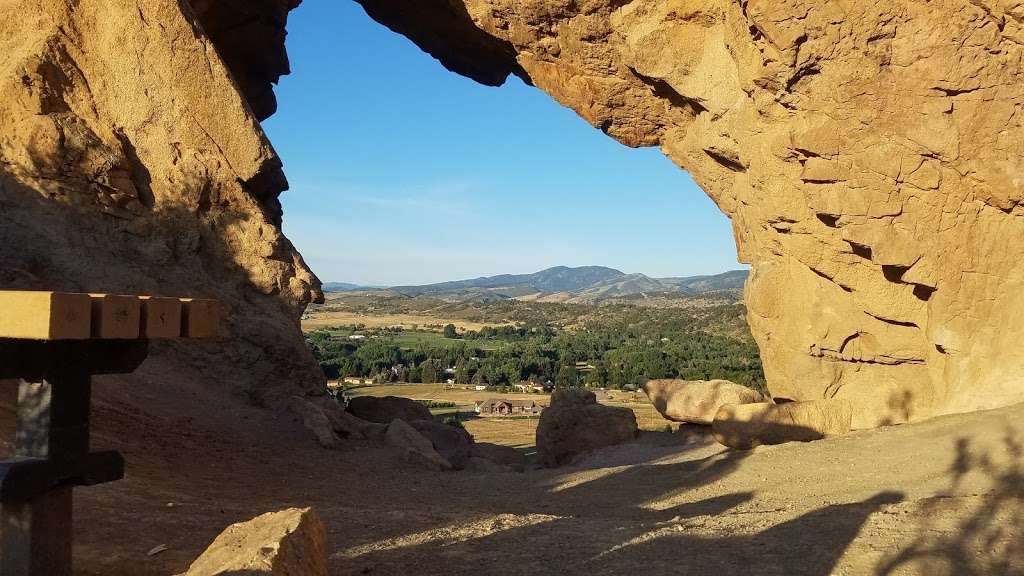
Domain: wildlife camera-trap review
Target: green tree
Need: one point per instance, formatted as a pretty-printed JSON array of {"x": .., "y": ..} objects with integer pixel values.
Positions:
[
  {"x": 598, "y": 377},
  {"x": 429, "y": 372},
  {"x": 566, "y": 377},
  {"x": 449, "y": 331}
]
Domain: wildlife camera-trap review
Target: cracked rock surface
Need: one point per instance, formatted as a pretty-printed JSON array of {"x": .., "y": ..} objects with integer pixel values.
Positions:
[{"x": 867, "y": 153}]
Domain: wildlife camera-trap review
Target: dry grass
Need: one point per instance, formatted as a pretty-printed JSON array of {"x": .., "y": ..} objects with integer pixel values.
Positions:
[{"x": 316, "y": 320}]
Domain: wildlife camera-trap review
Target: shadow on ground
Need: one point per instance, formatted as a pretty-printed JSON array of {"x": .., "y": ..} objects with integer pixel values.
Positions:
[
  {"x": 621, "y": 520},
  {"x": 990, "y": 539}
]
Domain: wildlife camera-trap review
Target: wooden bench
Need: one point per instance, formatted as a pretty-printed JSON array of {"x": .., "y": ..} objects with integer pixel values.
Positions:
[{"x": 51, "y": 344}]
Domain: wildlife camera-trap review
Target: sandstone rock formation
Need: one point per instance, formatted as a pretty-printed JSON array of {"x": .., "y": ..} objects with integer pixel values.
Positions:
[
  {"x": 868, "y": 154},
  {"x": 315, "y": 419},
  {"x": 130, "y": 161},
  {"x": 286, "y": 543},
  {"x": 417, "y": 447},
  {"x": 747, "y": 426},
  {"x": 575, "y": 423},
  {"x": 454, "y": 444},
  {"x": 384, "y": 409},
  {"x": 696, "y": 401}
]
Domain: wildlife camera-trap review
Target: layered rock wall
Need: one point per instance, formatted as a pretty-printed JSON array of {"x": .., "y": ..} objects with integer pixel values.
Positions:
[
  {"x": 868, "y": 154},
  {"x": 131, "y": 162}
]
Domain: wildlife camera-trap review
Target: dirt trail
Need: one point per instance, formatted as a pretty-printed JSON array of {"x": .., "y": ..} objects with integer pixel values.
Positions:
[{"x": 940, "y": 497}]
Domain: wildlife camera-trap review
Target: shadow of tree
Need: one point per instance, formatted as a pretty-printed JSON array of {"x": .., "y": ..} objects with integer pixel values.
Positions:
[
  {"x": 784, "y": 549},
  {"x": 989, "y": 541},
  {"x": 641, "y": 517}
]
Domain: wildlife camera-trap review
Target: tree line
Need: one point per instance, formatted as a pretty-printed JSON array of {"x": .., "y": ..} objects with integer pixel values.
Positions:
[{"x": 620, "y": 352}]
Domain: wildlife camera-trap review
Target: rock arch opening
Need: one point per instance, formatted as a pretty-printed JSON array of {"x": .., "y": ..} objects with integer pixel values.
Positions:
[
  {"x": 859, "y": 223},
  {"x": 781, "y": 113}
]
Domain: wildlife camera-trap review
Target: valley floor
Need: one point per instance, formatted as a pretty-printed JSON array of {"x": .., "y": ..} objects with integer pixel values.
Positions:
[{"x": 939, "y": 497}]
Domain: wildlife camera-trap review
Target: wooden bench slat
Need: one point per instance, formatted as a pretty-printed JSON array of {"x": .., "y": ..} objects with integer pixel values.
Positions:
[
  {"x": 161, "y": 317},
  {"x": 44, "y": 315},
  {"x": 54, "y": 316},
  {"x": 115, "y": 316},
  {"x": 201, "y": 318}
]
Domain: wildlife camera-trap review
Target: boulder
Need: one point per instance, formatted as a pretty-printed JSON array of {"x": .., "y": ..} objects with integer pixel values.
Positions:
[
  {"x": 418, "y": 447},
  {"x": 696, "y": 401},
  {"x": 286, "y": 543},
  {"x": 502, "y": 455},
  {"x": 576, "y": 423},
  {"x": 347, "y": 425},
  {"x": 747, "y": 426},
  {"x": 314, "y": 418},
  {"x": 384, "y": 410},
  {"x": 454, "y": 444}
]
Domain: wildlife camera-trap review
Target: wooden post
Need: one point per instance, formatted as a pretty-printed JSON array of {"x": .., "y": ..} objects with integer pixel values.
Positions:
[
  {"x": 51, "y": 343},
  {"x": 52, "y": 424}
]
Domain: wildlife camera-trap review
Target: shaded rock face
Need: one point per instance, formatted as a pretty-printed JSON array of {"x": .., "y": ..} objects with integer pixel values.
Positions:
[
  {"x": 454, "y": 444},
  {"x": 249, "y": 36},
  {"x": 867, "y": 153},
  {"x": 696, "y": 401},
  {"x": 384, "y": 409},
  {"x": 417, "y": 447},
  {"x": 130, "y": 162},
  {"x": 575, "y": 423},
  {"x": 284, "y": 543}
]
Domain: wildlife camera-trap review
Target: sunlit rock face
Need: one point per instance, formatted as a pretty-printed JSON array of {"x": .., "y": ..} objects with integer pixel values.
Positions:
[
  {"x": 131, "y": 162},
  {"x": 868, "y": 154}
]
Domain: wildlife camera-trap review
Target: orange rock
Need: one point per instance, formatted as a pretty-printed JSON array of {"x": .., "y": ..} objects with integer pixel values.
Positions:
[{"x": 284, "y": 543}]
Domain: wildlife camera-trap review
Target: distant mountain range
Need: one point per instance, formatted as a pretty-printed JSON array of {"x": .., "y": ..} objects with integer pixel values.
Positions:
[{"x": 562, "y": 283}]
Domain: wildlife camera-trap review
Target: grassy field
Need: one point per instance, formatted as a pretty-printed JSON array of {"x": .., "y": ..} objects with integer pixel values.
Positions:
[
  {"x": 327, "y": 319},
  {"x": 412, "y": 338},
  {"x": 516, "y": 432}
]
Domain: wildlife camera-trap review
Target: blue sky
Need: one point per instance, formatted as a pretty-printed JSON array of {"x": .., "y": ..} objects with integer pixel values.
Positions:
[{"x": 404, "y": 173}]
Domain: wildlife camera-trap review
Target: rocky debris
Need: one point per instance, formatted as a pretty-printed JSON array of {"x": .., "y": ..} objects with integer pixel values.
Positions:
[
  {"x": 575, "y": 423},
  {"x": 454, "y": 444},
  {"x": 750, "y": 425},
  {"x": 501, "y": 455},
  {"x": 417, "y": 447},
  {"x": 696, "y": 401},
  {"x": 387, "y": 408},
  {"x": 314, "y": 419},
  {"x": 286, "y": 543},
  {"x": 851, "y": 157}
]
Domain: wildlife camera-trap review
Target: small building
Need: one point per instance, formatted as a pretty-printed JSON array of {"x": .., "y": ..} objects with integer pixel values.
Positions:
[
  {"x": 357, "y": 380},
  {"x": 501, "y": 407},
  {"x": 526, "y": 387}
]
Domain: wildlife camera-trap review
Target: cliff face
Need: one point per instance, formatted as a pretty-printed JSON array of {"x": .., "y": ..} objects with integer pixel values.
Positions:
[
  {"x": 868, "y": 154},
  {"x": 131, "y": 162}
]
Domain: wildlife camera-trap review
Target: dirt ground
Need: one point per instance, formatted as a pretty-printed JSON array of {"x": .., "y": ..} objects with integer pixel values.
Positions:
[{"x": 941, "y": 497}]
